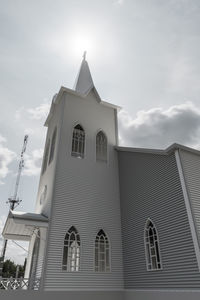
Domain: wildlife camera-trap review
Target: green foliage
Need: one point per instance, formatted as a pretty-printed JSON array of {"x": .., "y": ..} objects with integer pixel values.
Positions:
[{"x": 9, "y": 269}]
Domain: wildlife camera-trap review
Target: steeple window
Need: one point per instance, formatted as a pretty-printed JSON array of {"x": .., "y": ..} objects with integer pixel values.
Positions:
[
  {"x": 101, "y": 146},
  {"x": 78, "y": 141},
  {"x": 44, "y": 166},
  {"x": 53, "y": 144}
]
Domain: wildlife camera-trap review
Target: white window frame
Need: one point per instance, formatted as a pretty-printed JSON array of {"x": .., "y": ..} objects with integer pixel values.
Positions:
[
  {"x": 53, "y": 145},
  {"x": 71, "y": 251},
  {"x": 152, "y": 247},
  {"x": 78, "y": 142},
  {"x": 46, "y": 157},
  {"x": 43, "y": 194},
  {"x": 101, "y": 149},
  {"x": 102, "y": 255}
]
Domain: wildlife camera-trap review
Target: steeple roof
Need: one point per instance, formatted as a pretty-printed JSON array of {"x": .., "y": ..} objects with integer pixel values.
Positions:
[{"x": 84, "y": 82}]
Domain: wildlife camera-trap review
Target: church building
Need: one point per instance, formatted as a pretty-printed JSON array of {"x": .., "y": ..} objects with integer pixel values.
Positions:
[{"x": 119, "y": 222}]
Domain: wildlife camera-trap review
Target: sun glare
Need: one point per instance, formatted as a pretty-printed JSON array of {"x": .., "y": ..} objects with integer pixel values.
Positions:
[{"x": 82, "y": 43}]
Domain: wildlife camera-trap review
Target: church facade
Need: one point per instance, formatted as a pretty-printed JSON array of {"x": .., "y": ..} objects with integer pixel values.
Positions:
[{"x": 119, "y": 222}]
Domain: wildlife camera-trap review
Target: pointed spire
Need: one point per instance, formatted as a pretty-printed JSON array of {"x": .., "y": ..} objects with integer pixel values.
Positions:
[
  {"x": 84, "y": 55},
  {"x": 84, "y": 82}
]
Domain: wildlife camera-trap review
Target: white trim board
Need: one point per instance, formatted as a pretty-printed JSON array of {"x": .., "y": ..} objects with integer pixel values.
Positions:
[{"x": 188, "y": 207}]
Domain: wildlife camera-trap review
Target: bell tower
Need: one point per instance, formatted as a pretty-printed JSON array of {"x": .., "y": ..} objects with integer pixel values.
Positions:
[{"x": 79, "y": 191}]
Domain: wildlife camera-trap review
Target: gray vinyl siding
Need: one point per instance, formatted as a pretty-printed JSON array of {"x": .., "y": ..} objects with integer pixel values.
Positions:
[
  {"x": 40, "y": 259},
  {"x": 150, "y": 187},
  {"x": 191, "y": 166},
  {"x": 86, "y": 195}
]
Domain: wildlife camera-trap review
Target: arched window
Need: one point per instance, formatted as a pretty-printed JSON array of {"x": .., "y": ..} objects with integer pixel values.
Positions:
[
  {"x": 44, "y": 166},
  {"x": 152, "y": 248},
  {"x": 71, "y": 251},
  {"x": 34, "y": 261},
  {"x": 43, "y": 195},
  {"x": 53, "y": 143},
  {"x": 101, "y": 146},
  {"x": 78, "y": 141},
  {"x": 102, "y": 252}
]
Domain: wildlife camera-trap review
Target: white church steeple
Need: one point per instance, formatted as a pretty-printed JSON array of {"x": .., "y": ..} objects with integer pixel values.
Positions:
[{"x": 84, "y": 82}]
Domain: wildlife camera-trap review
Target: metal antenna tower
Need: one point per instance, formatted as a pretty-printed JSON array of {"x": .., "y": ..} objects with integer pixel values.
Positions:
[{"x": 14, "y": 201}]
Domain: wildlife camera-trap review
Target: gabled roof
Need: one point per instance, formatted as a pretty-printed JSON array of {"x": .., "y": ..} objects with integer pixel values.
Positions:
[
  {"x": 20, "y": 225},
  {"x": 166, "y": 151}
]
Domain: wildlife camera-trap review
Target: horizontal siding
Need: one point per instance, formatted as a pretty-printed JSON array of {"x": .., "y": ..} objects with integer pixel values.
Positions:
[
  {"x": 191, "y": 167},
  {"x": 40, "y": 260},
  {"x": 150, "y": 187},
  {"x": 86, "y": 195}
]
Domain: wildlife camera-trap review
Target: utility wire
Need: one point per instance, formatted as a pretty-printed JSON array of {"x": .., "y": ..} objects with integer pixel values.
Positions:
[{"x": 20, "y": 246}]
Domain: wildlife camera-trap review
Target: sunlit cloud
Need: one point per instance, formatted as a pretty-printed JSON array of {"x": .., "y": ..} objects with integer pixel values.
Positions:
[
  {"x": 119, "y": 2},
  {"x": 6, "y": 157},
  {"x": 36, "y": 113},
  {"x": 31, "y": 120},
  {"x": 39, "y": 112},
  {"x": 160, "y": 127},
  {"x": 33, "y": 163}
]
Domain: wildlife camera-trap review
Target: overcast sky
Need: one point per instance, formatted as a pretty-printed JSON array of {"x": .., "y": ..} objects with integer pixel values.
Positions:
[{"x": 144, "y": 55}]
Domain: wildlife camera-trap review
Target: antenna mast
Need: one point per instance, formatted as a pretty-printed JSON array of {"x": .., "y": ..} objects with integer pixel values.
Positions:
[{"x": 14, "y": 201}]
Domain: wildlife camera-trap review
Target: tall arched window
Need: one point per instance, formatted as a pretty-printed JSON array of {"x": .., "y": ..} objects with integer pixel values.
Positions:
[
  {"x": 153, "y": 259},
  {"x": 34, "y": 261},
  {"x": 101, "y": 146},
  {"x": 53, "y": 144},
  {"x": 102, "y": 252},
  {"x": 44, "y": 166},
  {"x": 78, "y": 141},
  {"x": 71, "y": 251}
]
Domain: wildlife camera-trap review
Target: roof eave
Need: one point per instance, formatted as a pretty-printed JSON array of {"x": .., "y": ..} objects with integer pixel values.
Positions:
[{"x": 169, "y": 150}]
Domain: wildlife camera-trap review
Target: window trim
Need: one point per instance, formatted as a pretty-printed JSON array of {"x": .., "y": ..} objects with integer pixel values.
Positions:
[
  {"x": 72, "y": 131},
  {"x": 43, "y": 194},
  {"x": 46, "y": 154},
  {"x": 55, "y": 132},
  {"x": 98, "y": 160},
  {"x": 145, "y": 246},
  {"x": 63, "y": 249},
  {"x": 110, "y": 250}
]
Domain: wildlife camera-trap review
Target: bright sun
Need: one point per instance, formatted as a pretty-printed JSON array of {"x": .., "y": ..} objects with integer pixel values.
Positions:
[{"x": 81, "y": 43}]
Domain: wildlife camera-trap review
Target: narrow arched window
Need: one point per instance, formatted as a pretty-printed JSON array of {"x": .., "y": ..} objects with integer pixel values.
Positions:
[
  {"x": 101, "y": 146},
  {"x": 46, "y": 154},
  {"x": 153, "y": 259},
  {"x": 102, "y": 252},
  {"x": 71, "y": 251},
  {"x": 78, "y": 141},
  {"x": 53, "y": 143},
  {"x": 34, "y": 261}
]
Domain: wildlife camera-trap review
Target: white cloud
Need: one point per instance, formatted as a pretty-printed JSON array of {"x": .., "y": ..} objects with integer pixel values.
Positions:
[
  {"x": 39, "y": 112},
  {"x": 19, "y": 113},
  {"x": 158, "y": 128},
  {"x": 36, "y": 113},
  {"x": 6, "y": 157},
  {"x": 33, "y": 163},
  {"x": 119, "y": 2}
]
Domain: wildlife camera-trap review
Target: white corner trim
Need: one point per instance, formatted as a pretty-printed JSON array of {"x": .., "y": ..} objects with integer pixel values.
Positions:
[{"x": 188, "y": 207}]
